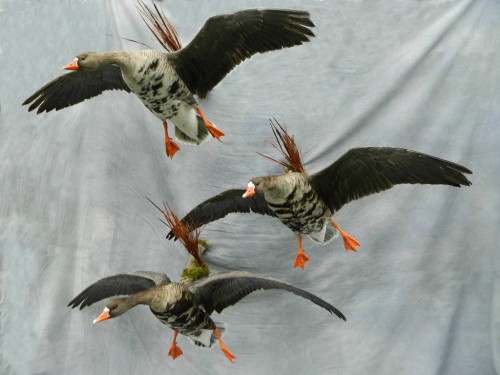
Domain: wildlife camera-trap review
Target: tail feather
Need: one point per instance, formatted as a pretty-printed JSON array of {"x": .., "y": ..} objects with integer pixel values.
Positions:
[
  {"x": 325, "y": 235},
  {"x": 202, "y": 136},
  {"x": 207, "y": 338}
]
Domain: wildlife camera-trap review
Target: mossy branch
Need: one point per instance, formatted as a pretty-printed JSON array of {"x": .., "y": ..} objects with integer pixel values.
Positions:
[{"x": 187, "y": 237}]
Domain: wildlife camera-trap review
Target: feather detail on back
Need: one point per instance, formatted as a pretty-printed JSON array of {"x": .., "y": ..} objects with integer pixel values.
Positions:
[{"x": 286, "y": 145}]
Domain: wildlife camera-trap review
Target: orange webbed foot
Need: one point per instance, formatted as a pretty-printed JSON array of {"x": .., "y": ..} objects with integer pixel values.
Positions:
[
  {"x": 350, "y": 242},
  {"x": 216, "y": 133},
  {"x": 223, "y": 347},
  {"x": 174, "y": 351},
  {"x": 171, "y": 147},
  {"x": 300, "y": 260},
  {"x": 226, "y": 352}
]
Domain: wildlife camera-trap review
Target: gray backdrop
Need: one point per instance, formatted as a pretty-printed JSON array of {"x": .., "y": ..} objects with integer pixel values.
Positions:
[{"x": 421, "y": 295}]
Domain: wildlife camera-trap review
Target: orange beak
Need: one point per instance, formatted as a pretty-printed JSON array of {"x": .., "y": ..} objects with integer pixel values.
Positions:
[
  {"x": 250, "y": 192},
  {"x": 72, "y": 65},
  {"x": 104, "y": 316}
]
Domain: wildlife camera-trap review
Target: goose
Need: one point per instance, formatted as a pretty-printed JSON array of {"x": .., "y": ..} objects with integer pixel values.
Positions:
[
  {"x": 306, "y": 203},
  {"x": 166, "y": 82},
  {"x": 184, "y": 307}
]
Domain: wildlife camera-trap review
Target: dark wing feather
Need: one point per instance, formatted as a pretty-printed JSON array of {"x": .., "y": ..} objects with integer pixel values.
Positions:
[
  {"x": 75, "y": 87},
  {"x": 230, "y": 201},
  {"x": 225, "y": 289},
  {"x": 122, "y": 284},
  {"x": 364, "y": 171},
  {"x": 227, "y": 40}
]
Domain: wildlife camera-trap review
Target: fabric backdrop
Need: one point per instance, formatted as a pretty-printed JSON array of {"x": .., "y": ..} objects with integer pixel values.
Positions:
[{"x": 421, "y": 295}]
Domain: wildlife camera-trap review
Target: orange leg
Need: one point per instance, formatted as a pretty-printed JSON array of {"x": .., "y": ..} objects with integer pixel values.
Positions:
[
  {"x": 350, "y": 243},
  {"x": 174, "y": 351},
  {"x": 170, "y": 146},
  {"x": 216, "y": 133},
  {"x": 301, "y": 258},
  {"x": 223, "y": 347}
]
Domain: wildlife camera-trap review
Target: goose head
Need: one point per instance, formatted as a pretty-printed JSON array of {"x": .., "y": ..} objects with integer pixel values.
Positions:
[
  {"x": 86, "y": 61},
  {"x": 260, "y": 185},
  {"x": 114, "y": 308}
]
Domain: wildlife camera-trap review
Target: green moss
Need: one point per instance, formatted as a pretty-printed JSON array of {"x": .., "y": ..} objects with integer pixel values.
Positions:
[
  {"x": 203, "y": 244},
  {"x": 195, "y": 273}
]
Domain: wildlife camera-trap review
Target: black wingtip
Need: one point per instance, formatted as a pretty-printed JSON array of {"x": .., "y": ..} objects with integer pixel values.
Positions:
[
  {"x": 456, "y": 175},
  {"x": 340, "y": 315},
  {"x": 34, "y": 100},
  {"x": 32, "y": 107},
  {"x": 171, "y": 236},
  {"x": 466, "y": 183},
  {"x": 74, "y": 303},
  {"x": 467, "y": 170}
]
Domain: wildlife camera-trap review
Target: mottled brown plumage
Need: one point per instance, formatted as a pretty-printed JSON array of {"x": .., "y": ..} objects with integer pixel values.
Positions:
[
  {"x": 167, "y": 82},
  {"x": 184, "y": 307},
  {"x": 305, "y": 204}
]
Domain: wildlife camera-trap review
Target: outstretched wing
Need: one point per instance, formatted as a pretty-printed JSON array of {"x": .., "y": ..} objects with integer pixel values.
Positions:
[
  {"x": 122, "y": 284},
  {"x": 364, "y": 171},
  {"x": 75, "y": 87},
  {"x": 226, "y": 40},
  {"x": 230, "y": 201},
  {"x": 225, "y": 289}
]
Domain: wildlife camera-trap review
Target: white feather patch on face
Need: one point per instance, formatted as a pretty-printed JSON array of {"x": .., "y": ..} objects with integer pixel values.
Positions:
[{"x": 251, "y": 185}]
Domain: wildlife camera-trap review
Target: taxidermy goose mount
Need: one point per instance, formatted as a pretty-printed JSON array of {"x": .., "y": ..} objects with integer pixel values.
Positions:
[
  {"x": 306, "y": 203},
  {"x": 167, "y": 82}
]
